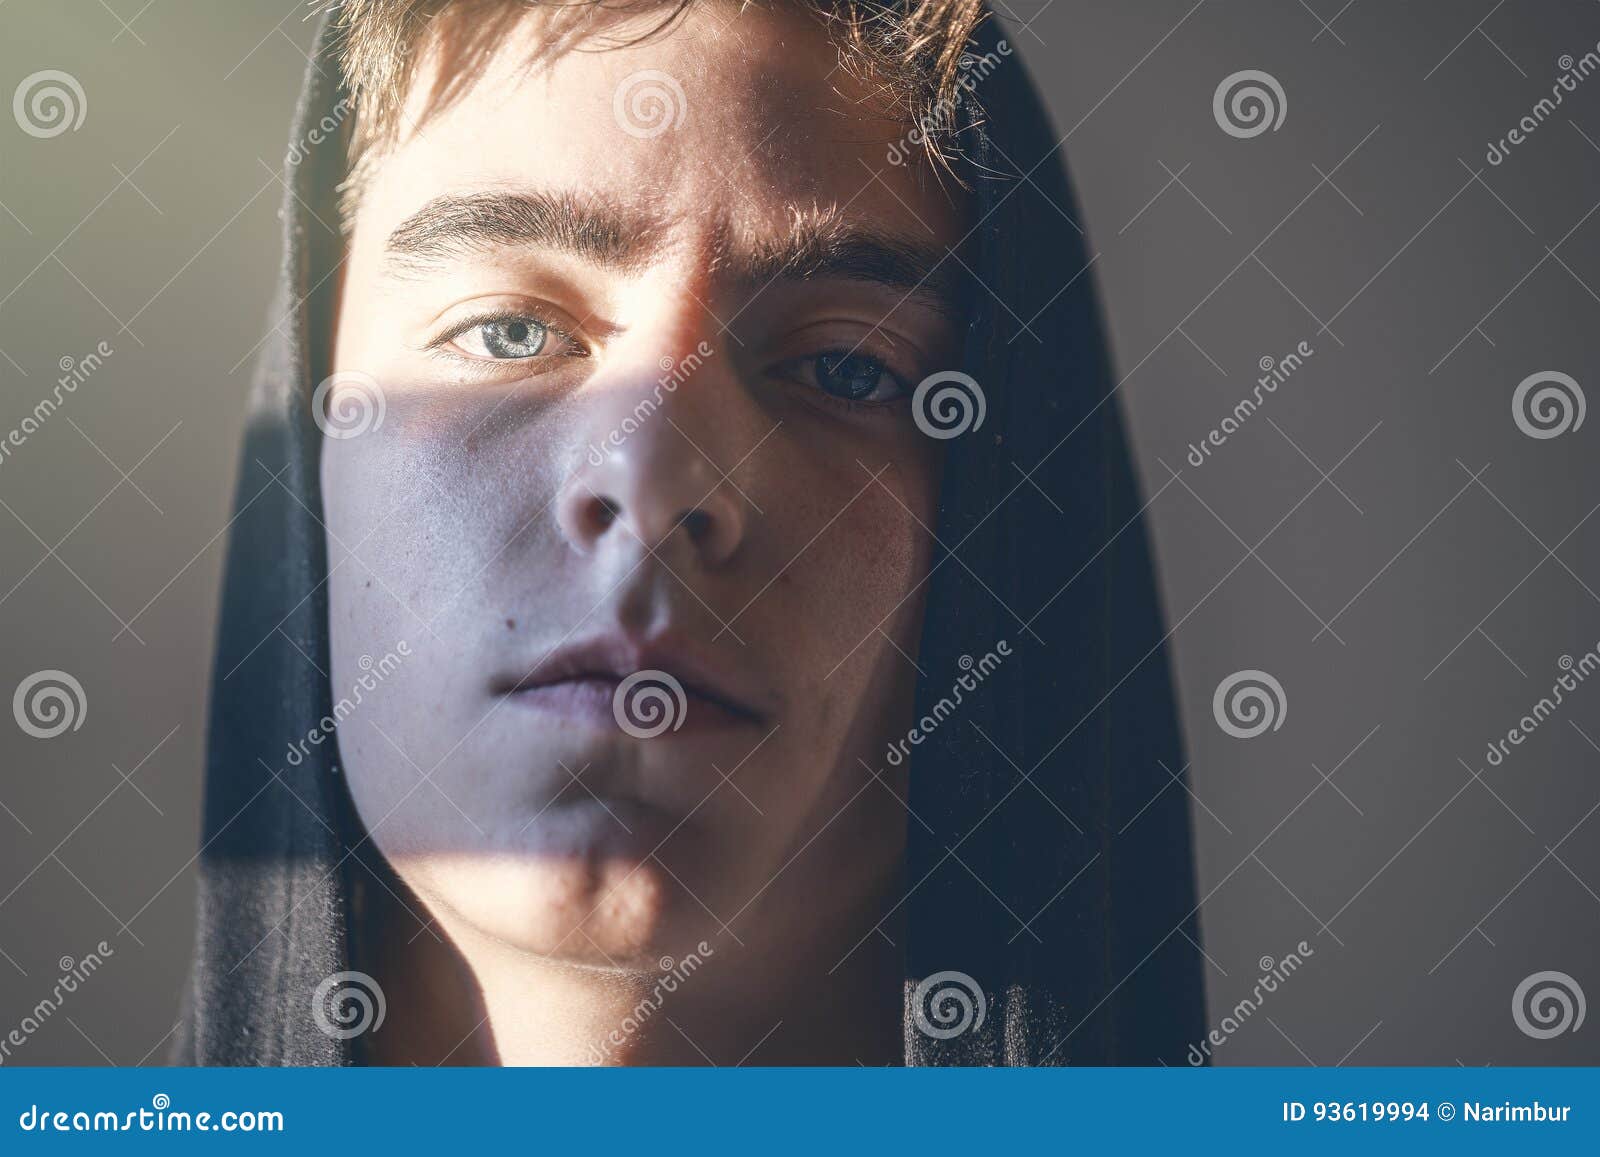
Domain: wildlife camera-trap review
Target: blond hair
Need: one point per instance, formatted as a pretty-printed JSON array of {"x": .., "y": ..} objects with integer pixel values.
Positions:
[{"x": 914, "y": 51}]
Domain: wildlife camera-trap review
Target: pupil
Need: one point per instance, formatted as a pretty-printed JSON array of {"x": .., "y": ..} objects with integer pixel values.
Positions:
[
  {"x": 851, "y": 376},
  {"x": 513, "y": 338}
]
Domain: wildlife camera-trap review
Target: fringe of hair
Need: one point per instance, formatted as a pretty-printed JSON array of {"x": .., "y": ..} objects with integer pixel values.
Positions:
[{"x": 912, "y": 50}]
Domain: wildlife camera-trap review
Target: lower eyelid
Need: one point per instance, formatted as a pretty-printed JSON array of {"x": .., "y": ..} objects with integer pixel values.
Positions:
[{"x": 855, "y": 405}]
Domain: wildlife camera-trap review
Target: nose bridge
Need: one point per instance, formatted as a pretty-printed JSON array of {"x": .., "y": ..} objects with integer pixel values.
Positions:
[
  {"x": 654, "y": 457},
  {"x": 661, "y": 416}
]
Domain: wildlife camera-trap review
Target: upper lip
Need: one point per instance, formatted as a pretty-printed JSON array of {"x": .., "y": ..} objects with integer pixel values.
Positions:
[{"x": 616, "y": 656}]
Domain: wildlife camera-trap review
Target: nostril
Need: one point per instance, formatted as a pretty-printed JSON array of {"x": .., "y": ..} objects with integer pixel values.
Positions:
[
  {"x": 697, "y": 523},
  {"x": 605, "y": 512}
]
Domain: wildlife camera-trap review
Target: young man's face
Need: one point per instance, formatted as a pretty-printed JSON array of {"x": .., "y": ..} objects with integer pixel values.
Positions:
[{"x": 646, "y": 372}]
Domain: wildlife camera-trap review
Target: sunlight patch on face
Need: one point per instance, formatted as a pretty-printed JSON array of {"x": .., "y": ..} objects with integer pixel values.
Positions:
[{"x": 759, "y": 534}]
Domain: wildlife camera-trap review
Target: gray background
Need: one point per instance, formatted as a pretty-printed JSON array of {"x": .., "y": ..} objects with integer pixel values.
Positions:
[{"x": 1380, "y": 536}]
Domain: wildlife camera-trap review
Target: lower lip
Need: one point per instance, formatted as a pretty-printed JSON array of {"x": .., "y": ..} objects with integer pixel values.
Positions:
[{"x": 592, "y": 701}]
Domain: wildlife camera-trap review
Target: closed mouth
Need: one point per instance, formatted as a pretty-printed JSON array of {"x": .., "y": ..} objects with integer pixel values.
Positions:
[{"x": 648, "y": 689}]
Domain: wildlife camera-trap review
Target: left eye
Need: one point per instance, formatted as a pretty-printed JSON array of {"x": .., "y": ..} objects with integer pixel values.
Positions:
[
  {"x": 855, "y": 377},
  {"x": 504, "y": 339}
]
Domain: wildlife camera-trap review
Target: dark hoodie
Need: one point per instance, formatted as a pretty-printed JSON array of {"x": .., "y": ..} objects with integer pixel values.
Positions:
[{"x": 1049, "y": 800}]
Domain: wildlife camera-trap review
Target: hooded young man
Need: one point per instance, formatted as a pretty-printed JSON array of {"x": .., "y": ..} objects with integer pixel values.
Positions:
[{"x": 687, "y": 601}]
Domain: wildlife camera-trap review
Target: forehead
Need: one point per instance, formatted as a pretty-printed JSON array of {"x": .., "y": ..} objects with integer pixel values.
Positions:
[{"x": 734, "y": 119}]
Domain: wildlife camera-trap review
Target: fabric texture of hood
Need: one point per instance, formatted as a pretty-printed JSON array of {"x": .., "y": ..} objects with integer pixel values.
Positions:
[{"x": 1049, "y": 874}]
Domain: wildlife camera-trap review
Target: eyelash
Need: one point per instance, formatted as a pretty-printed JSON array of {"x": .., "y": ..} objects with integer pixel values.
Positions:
[
  {"x": 441, "y": 344},
  {"x": 848, "y": 405}
]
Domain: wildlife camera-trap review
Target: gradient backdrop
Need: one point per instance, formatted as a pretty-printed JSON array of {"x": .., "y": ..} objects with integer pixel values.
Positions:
[{"x": 1382, "y": 537}]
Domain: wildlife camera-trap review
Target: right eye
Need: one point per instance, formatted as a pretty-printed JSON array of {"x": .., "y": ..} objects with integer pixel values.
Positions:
[{"x": 503, "y": 338}]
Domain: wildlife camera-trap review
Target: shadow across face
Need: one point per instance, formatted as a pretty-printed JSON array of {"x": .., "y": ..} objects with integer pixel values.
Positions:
[{"x": 627, "y": 507}]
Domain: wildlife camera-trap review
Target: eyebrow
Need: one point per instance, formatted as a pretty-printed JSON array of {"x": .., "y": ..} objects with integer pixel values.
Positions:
[
  {"x": 818, "y": 244},
  {"x": 832, "y": 248},
  {"x": 461, "y": 224}
]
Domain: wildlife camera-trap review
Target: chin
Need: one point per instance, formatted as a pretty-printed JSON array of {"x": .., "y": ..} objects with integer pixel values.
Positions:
[{"x": 599, "y": 910}]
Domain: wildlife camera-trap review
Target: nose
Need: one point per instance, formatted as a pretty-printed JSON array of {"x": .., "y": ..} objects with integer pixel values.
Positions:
[{"x": 656, "y": 489}]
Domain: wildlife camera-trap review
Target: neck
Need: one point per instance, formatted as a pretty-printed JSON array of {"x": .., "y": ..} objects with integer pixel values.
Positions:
[{"x": 467, "y": 999}]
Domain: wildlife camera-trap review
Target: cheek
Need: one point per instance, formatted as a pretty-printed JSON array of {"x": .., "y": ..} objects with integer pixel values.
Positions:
[
  {"x": 418, "y": 510},
  {"x": 861, "y": 574},
  {"x": 397, "y": 561}
]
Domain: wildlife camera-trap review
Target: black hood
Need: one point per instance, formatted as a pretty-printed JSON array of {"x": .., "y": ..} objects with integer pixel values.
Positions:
[{"x": 1049, "y": 851}]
